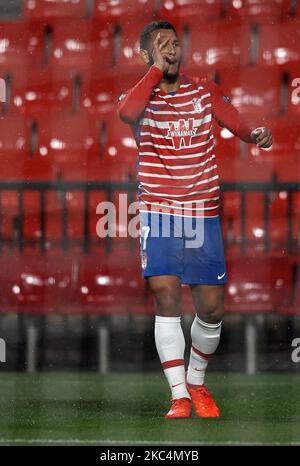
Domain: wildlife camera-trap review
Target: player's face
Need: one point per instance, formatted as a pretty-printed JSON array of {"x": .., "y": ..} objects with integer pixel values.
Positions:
[{"x": 171, "y": 51}]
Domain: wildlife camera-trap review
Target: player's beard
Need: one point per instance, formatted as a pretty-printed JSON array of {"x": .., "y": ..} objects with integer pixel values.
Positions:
[
  {"x": 167, "y": 76},
  {"x": 171, "y": 77}
]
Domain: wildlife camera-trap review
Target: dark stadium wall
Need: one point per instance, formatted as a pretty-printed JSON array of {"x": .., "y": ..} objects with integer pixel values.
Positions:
[{"x": 10, "y": 9}]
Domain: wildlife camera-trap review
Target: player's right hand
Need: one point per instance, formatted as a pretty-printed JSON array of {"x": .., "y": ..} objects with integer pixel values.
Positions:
[{"x": 158, "y": 59}]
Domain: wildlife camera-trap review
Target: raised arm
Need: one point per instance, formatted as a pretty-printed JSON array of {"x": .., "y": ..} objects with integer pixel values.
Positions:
[{"x": 132, "y": 103}]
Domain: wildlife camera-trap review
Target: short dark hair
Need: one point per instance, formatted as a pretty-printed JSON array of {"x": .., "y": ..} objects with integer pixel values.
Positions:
[{"x": 145, "y": 34}]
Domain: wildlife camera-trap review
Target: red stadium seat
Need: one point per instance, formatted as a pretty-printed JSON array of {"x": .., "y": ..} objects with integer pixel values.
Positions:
[
  {"x": 82, "y": 45},
  {"x": 217, "y": 45},
  {"x": 278, "y": 221},
  {"x": 64, "y": 217},
  {"x": 287, "y": 170},
  {"x": 231, "y": 222},
  {"x": 69, "y": 283},
  {"x": 119, "y": 155},
  {"x": 38, "y": 91},
  {"x": 38, "y": 283},
  {"x": 32, "y": 228},
  {"x": 74, "y": 221},
  {"x": 108, "y": 10},
  {"x": 255, "y": 227},
  {"x": 22, "y": 43},
  {"x": 29, "y": 226},
  {"x": 293, "y": 86},
  {"x": 111, "y": 283},
  {"x": 279, "y": 44},
  {"x": 68, "y": 142},
  {"x": 39, "y": 169},
  {"x": 203, "y": 10},
  {"x": 98, "y": 203},
  {"x": 258, "y": 11},
  {"x": 232, "y": 162},
  {"x": 43, "y": 9},
  {"x": 100, "y": 93},
  {"x": 279, "y": 232},
  {"x": 62, "y": 226},
  {"x": 253, "y": 90},
  {"x": 9, "y": 206},
  {"x": 226, "y": 144},
  {"x": 59, "y": 225},
  {"x": 292, "y": 308},
  {"x": 257, "y": 284},
  {"x": 82, "y": 148},
  {"x": 283, "y": 156},
  {"x": 14, "y": 140},
  {"x": 128, "y": 59},
  {"x": 55, "y": 218}
]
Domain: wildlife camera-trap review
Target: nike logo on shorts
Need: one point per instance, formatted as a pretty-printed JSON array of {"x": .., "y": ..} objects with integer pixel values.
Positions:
[{"x": 221, "y": 276}]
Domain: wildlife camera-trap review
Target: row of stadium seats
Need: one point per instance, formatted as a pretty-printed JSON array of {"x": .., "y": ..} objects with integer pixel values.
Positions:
[
  {"x": 254, "y": 237},
  {"x": 203, "y": 10},
  {"x": 97, "y": 91},
  {"x": 274, "y": 93},
  {"x": 76, "y": 147},
  {"x": 57, "y": 236},
  {"x": 65, "y": 216},
  {"x": 82, "y": 44},
  {"x": 56, "y": 283},
  {"x": 103, "y": 284},
  {"x": 82, "y": 147}
]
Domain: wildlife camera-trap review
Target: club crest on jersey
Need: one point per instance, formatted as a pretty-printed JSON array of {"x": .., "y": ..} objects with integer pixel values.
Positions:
[
  {"x": 197, "y": 105},
  {"x": 181, "y": 132}
]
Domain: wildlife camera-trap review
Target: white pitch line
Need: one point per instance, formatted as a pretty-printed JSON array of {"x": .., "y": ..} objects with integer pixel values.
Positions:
[{"x": 140, "y": 442}]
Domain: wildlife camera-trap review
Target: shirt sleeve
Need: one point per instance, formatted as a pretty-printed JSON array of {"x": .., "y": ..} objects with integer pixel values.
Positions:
[
  {"x": 131, "y": 104},
  {"x": 228, "y": 116}
]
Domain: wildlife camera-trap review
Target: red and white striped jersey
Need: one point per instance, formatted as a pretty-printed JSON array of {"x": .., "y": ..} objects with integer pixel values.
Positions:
[{"x": 177, "y": 167}]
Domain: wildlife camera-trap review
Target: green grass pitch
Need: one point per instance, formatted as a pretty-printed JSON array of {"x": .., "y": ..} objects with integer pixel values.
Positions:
[{"x": 128, "y": 409}]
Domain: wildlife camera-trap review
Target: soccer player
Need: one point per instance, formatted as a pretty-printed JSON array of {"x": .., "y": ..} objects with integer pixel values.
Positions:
[{"x": 171, "y": 116}]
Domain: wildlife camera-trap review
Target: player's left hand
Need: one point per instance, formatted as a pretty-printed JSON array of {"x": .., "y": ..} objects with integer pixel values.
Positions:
[{"x": 262, "y": 137}]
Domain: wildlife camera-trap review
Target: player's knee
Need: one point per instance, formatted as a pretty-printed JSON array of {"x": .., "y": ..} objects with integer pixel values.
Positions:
[
  {"x": 212, "y": 312},
  {"x": 167, "y": 300}
]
